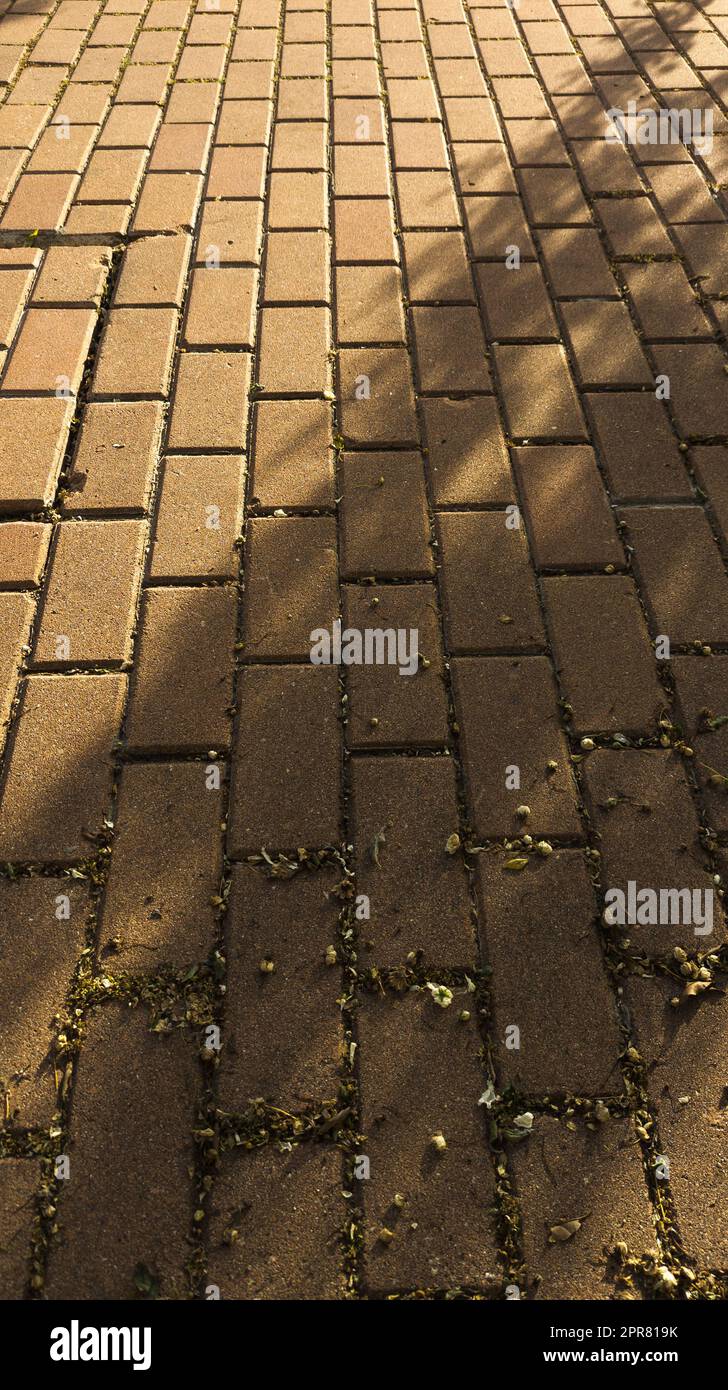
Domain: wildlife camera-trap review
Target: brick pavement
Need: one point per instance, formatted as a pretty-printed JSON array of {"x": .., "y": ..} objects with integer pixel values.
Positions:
[{"x": 313, "y": 308}]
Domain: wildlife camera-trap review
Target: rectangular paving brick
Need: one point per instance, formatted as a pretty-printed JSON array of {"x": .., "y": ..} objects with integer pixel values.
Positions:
[
  {"x": 686, "y": 603},
  {"x": 450, "y": 349},
  {"x": 489, "y": 595},
  {"x": 610, "y": 681},
  {"x": 14, "y": 290},
  {"x": 221, "y": 308},
  {"x": 292, "y": 453},
  {"x": 508, "y": 713},
  {"x": 282, "y": 1036},
  {"x": 516, "y": 303},
  {"x": 604, "y": 345},
  {"x": 575, "y": 263},
  {"x": 538, "y": 392},
  {"x": 50, "y": 351},
  {"x": 701, "y": 696},
  {"x": 665, "y": 302},
  {"x": 115, "y": 459},
  {"x": 563, "y": 1174},
  {"x": 140, "y": 1217},
  {"x": 183, "y": 681},
  {"x": 369, "y": 305},
  {"x": 16, "y": 611},
  {"x": 418, "y": 894},
  {"x": 209, "y": 409},
  {"x": 364, "y": 230},
  {"x": 23, "y": 551},
  {"x": 649, "y": 837},
  {"x": 437, "y": 267},
  {"x": 291, "y": 585},
  {"x": 427, "y": 199},
  {"x": 288, "y": 743},
  {"x": 168, "y": 203},
  {"x": 696, "y": 374},
  {"x": 289, "y": 1214},
  {"x": 62, "y": 149},
  {"x": 135, "y": 357},
  {"x": 384, "y": 527},
  {"x": 72, "y": 275},
  {"x": 19, "y": 1181},
  {"x": 57, "y": 790},
  {"x": 569, "y": 518},
  {"x": 90, "y": 599},
  {"x": 237, "y": 172},
  {"x": 297, "y": 267},
  {"x": 449, "y": 1192},
  {"x": 153, "y": 272},
  {"x": 199, "y": 518},
  {"x": 396, "y": 700},
  {"x": 165, "y": 867},
  {"x": 230, "y": 232},
  {"x": 637, "y": 447},
  {"x": 40, "y": 202},
  {"x": 683, "y": 1059},
  {"x": 294, "y": 350},
  {"x": 551, "y": 1054},
  {"x": 709, "y": 463},
  {"x": 377, "y": 396},
  {"x": 42, "y": 919},
  {"x": 466, "y": 456},
  {"x": 297, "y": 200}
]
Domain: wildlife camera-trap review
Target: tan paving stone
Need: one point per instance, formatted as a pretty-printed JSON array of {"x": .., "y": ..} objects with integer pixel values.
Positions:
[
  {"x": 401, "y": 703},
  {"x": 187, "y": 634},
  {"x": 611, "y": 684},
  {"x": 418, "y": 895},
  {"x": 384, "y": 528},
  {"x": 650, "y": 838},
  {"x": 209, "y": 408},
  {"x": 283, "y": 1037},
  {"x": 507, "y": 709},
  {"x": 72, "y": 275},
  {"x": 199, "y": 518},
  {"x": 550, "y": 1055},
  {"x": 90, "y": 598},
  {"x": 19, "y": 1182},
  {"x": 685, "y": 1058},
  {"x": 291, "y": 585},
  {"x": 23, "y": 550},
  {"x": 135, "y": 355},
  {"x": 50, "y": 351},
  {"x": 293, "y": 462},
  {"x": 559, "y": 1172},
  {"x": 57, "y": 790},
  {"x": 290, "y": 1229},
  {"x": 33, "y": 436},
  {"x": 402, "y": 1039},
  {"x": 490, "y": 600},
  {"x": 157, "y": 906},
  {"x": 42, "y": 919},
  {"x": 115, "y": 460},
  {"x": 288, "y": 741},
  {"x": 140, "y": 1206}
]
